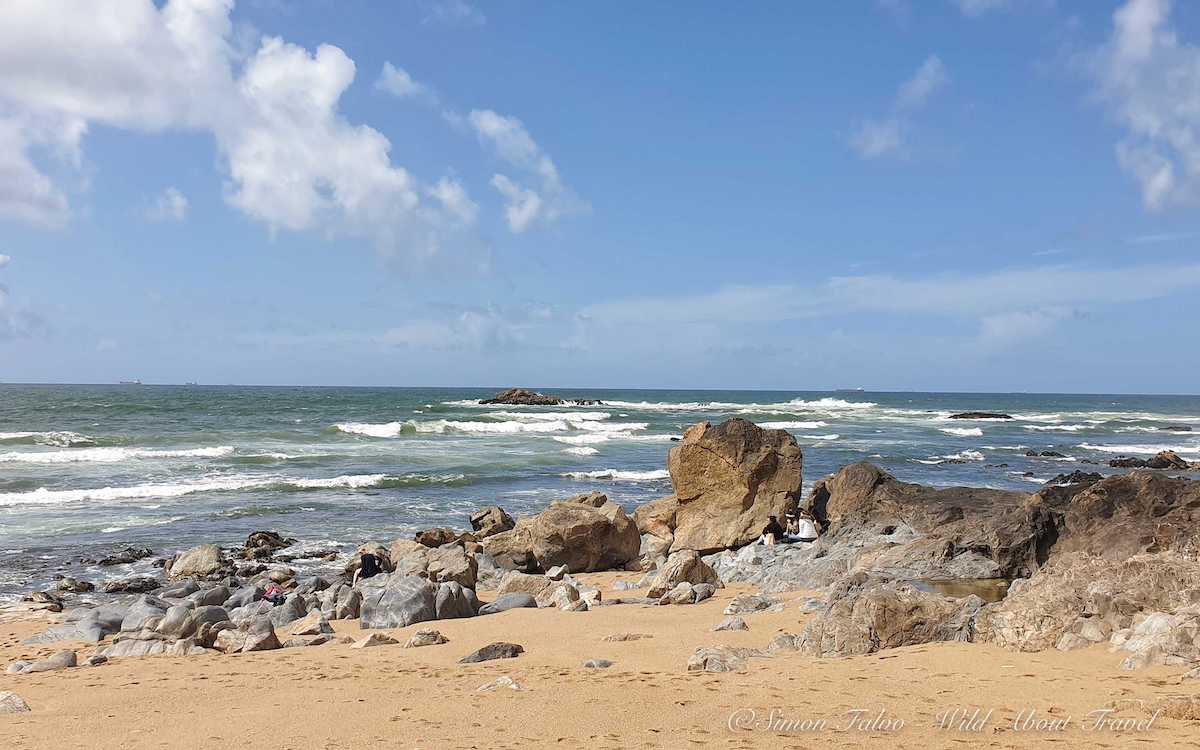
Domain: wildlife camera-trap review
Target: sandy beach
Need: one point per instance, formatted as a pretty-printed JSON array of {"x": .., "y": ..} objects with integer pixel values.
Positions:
[{"x": 333, "y": 696}]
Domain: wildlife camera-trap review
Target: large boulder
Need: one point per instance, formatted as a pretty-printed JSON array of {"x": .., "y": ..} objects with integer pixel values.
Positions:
[
  {"x": 684, "y": 566},
  {"x": 201, "y": 561},
  {"x": 439, "y": 564},
  {"x": 728, "y": 480},
  {"x": 397, "y": 600},
  {"x": 522, "y": 397},
  {"x": 866, "y": 615},
  {"x": 585, "y": 533}
]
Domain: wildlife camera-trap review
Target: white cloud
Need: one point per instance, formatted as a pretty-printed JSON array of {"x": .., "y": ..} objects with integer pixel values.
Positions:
[
  {"x": 293, "y": 160},
  {"x": 170, "y": 205},
  {"x": 453, "y": 197},
  {"x": 976, "y": 8},
  {"x": 1150, "y": 81},
  {"x": 397, "y": 82},
  {"x": 454, "y": 12},
  {"x": 5, "y": 260},
  {"x": 546, "y": 201},
  {"x": 885, "y": 136}
]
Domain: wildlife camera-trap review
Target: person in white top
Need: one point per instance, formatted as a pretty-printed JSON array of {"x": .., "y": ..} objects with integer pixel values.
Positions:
[{"x": 801, "y": 528}]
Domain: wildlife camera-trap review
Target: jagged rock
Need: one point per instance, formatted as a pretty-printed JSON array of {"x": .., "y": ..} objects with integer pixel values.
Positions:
[
  {"x": 784, "y": 642},
  {"x": 438, "y": 564},
  {"x": 11, "y": 703},
  {"x": 731, "y": 623},
  {"x": 261, "y": 545},
  {"x": 558, "y": 594},
  {"x": 201, "y": 561},
  {"x": 865, "y": 616},
  {"x": 750, "y": 603},
  {"x": 498, "y": 650},
  {"x": 1077, "y": 477},
  {"x": 135, "y": 585},
  {"x": 1167, "y": 460},
  {"x": 1172, "y": 639},
  {"x": 453, "y": 601},
  {"x": 491, "y": 520},
  {"x": 557, "y": 572},
  {"x": 375, "y": 639},
  {"x": 426, "y": 638},
  {"x": 17, "y": 666},
  {"x": 728, "y": 480},
  {"x": 510, "y": 600},
  {"x": 74, "y": 585},
  {"x": 522, "y": 397},
  {"x": 584, "y": 533},
  {"x": 684, "y": 566},
  {"x": 314, "y": 623},
  {"x": 1088, "y": 597}
]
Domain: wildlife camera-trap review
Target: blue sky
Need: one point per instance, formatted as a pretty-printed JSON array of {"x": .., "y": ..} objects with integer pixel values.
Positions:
[{"x": 960, "y": 195}]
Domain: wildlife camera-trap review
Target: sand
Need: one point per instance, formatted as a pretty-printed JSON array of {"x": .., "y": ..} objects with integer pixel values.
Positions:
[{"x": 334, "y": 697}]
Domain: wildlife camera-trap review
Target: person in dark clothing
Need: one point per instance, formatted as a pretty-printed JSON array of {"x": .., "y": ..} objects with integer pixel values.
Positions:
[
  {"x": 772, "y": 533},
  {"x": 368, "y": 566}
]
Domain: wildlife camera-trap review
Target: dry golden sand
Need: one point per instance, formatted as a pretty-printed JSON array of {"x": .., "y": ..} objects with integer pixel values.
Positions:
[{"x": 334, "y": 697}]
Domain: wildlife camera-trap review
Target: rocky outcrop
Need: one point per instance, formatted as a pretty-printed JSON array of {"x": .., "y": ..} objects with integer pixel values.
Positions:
[
  {"x": 439, "y": 564},
  {"x": 865, "y": 616},
  {"x": 201, "y": 561},
  {"x": 1161, "y": 460},
  {"x": 396, "y": 600},
  {"x": 1171, "y": 639},
  {"x": 1080, "y": 599},
  {"x": 684, "y": 566},
  {"x": 728, "y": 480},
  {"x": 584, "y": 533},
  {"x": 522, "y": 397},
  {"x": 980, "y": 415},
  {"x": 262, "y": 545},
  {"x": 491, "y": 520}
]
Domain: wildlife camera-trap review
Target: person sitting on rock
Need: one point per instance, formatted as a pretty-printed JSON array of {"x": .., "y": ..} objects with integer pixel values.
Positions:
[
  {"x": 772, "y": 533},
  {"x": 801, "y": 528},
  {"x": 368, "y": 566},
  {"x": 274, "y": 594}
]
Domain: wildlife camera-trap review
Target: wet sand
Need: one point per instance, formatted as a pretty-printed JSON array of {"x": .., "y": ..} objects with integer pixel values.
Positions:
[{"x": 335, "y": 697}]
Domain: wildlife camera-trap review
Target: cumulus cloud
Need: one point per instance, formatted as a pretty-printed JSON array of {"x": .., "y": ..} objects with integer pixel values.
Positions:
[
  {"x": 397, "y": 82},
  {"x": 1149, "y": 80},
  {"x": 170, "y": 205},
  {"x": 885, "y": 136},
  {"x": 292, "y": 158},
  {"x": 544, "y": 201}
]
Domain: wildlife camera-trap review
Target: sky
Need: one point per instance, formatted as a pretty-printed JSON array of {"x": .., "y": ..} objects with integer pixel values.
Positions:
[{"x": 968, "y": 195}]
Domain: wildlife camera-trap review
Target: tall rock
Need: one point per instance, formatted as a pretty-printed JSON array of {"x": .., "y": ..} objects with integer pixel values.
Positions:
[{"x": 729, "y": 479}]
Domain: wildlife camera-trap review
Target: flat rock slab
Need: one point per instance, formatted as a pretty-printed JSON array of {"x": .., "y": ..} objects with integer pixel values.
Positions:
[{"x": 498, "y": 650}]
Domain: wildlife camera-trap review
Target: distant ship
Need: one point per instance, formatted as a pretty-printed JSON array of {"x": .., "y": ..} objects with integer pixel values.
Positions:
[
  {"x": 130, "y": 382},
  {"x": 850, "y": 390}
]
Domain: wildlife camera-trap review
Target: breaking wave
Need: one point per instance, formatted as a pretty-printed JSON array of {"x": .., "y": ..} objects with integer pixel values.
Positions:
[
  {"x": 56, "y": 438},
  {"x": 110, "y": 455},
  {"x": 619, "y": 475},
  {"x": 792, "y": 425},
  {"x": 962, "y": 431}
]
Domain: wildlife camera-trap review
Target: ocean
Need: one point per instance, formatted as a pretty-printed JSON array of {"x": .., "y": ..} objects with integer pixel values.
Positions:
[{"x": 86, "y": 470}]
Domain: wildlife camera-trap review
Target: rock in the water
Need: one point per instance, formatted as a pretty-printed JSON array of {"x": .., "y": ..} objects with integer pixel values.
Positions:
[
  {"x": 684, "y": 566},
  {"x": 201, "y": 561},
  {"x": 731, "y": 623},
  {"x": 510, "y": 600},
  {"x": 125, "y": 556},
  {"x": 728, "y": 479},
  {"x": 11, "y": 703},
  {"x": 491, "y": 520},
  {"x": 597, "y": 664},
  {"x": 522, "y": 397},
  {"x": 74, "y": 585},
  {"x": 375, "y": 639},
  {"x": 584, "y": 533},
  {"x": 261, "y": 545},
  {"x": 980, "y": 415},
  {"x": 865, "y": 616},
  {"x": 498, "y": 650},
  {"x": 426, "y": 638}
]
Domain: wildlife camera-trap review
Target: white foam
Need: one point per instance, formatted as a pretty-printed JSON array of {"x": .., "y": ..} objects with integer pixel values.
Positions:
[
  {"x": 962, "y": 431},
  {"x": 821, "y": 437},
  {"x": 792, "y": 425},
  {"x": 352, "y": 481},
  {"x": 56, "y": 438},
  {"x": 582, "y": 450},
  {"x": 110, "y": 455},
  {"x": 550, "y": 416},
  {"x": 388, "y": 430},
  {"x": 1059, "y": 427},
  {"x": 619, "y": 475},
  {"x": 590, "y": 439},
  {"x": 1149, "y": 450}
]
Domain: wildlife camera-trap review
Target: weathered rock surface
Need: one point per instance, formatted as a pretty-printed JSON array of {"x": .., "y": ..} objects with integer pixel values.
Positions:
[
  {"x": 11, "y": 703},
  {"x": 584, "y": 533},
  {"x": 426, "y": 638},
  {"x": 201, "y": 561},
  {"x": 498, "y": 650},
  {"x": 684, "y": 566},
  {"x": 1172, "y": 639},
  {"x": 439, "y": 564},
  {"x": 60, "y": 660},
  {"x": 721, "y": 659},
  {"x": 257, "y": 634},
  {"x": 731, "y": 623},
  {"x": 728, "y": 480},
  {"x": 134, "y": 585},
  {"x": 396, "y": 600},
  {"x": 262, "y": 545},
  {"x": 750, "y": 603},
  {"x": 522, "y": 397},
  {"x": 314, "y": 623},
  {"x": 375, "y": 639},
  {"x": 865, "y": 616},
  {"x": 491, "y": 520},
  {"x": 510, "y": 600}
]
